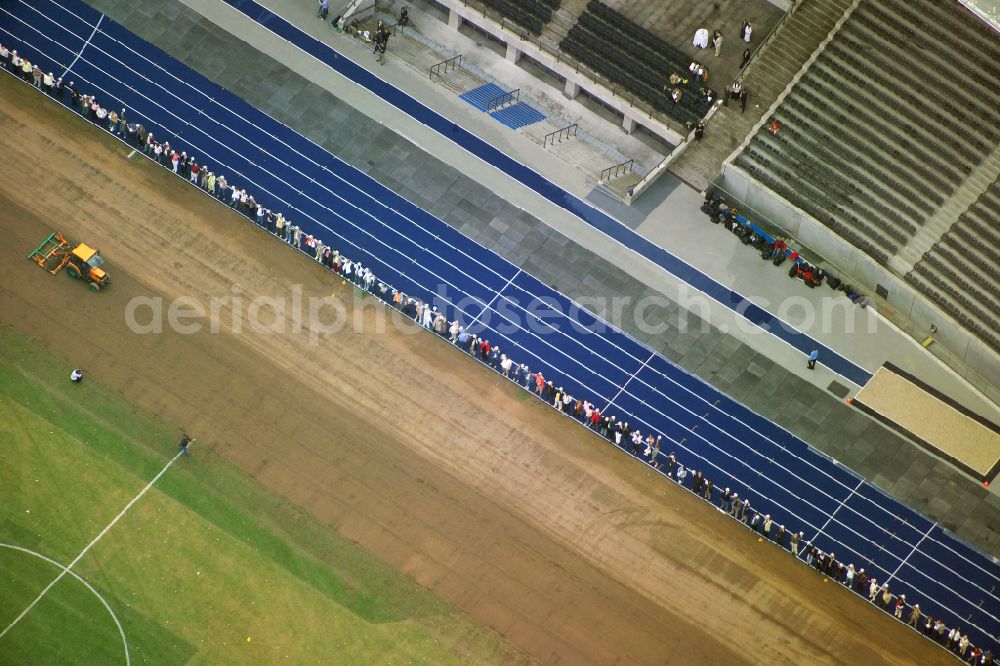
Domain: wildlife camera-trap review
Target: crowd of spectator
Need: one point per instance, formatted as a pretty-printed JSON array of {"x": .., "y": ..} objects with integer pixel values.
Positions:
[{"x": 646, "y": 446}]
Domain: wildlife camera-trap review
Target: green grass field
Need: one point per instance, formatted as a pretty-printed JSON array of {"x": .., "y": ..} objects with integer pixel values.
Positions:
[{"x": 207, "y": 567}]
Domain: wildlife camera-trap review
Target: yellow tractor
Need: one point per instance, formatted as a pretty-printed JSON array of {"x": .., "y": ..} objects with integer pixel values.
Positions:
[{"x": 81, "y": 261}]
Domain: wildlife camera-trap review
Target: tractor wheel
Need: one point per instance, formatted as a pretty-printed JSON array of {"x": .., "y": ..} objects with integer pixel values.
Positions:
[
  {"x": 94, "y": 286},
  {"x": 72, "y": 272}
]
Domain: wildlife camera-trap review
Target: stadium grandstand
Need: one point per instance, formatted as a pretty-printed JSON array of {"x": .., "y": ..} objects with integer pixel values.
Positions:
[{"x": 888, "y": 141}]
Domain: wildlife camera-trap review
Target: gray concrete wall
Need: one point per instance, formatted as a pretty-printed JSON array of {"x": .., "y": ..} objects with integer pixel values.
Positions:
[
  {"x": 459, "y": 12},
  {"x": 907, "y": 308}
]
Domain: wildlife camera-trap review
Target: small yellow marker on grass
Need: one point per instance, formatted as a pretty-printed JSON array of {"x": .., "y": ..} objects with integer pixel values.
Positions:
[
  {"x": 760, "y": 539},
  {"x": 249, "y": 639}
]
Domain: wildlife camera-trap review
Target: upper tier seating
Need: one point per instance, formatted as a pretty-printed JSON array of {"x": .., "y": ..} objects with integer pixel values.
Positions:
[
  {"x": 532, "y": 15},
  {"x": 961, "y": 272},
  {"x": 637, "y": 60},
  {"x": 895, "y": 113}
]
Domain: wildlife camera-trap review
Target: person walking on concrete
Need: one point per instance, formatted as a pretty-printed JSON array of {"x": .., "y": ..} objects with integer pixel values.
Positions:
[
  {"x": 813, "y": 357},
  {"x": 381, "y": 43},
  {"x": 324, "y": 9}
]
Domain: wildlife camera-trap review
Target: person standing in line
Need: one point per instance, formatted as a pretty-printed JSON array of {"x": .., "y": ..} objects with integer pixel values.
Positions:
[
  {"x": 900, "y": 607},
  {"x": 796, "y": 538},
  {"x": 453, "y": 331},
  {"x": 708, "y": 489},
  {"x": 813, "y": 357},
  {"x": 505, "y": 364},
  {"x": 914, "y": 616},
  {"x": 779, "y": 538}
]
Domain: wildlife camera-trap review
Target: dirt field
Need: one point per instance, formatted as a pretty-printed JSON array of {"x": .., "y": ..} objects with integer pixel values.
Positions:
[{"x": 497, "y": 504}]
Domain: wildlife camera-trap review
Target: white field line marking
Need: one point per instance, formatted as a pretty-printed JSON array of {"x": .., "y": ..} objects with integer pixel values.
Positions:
[
  {"x": 839, "y": 507},
  {"x": 926, "y": 534},
  {"x": 862, "y": 516},
  {"x": 121, "y": 630},
  {"x": 85, "y": 44},
  {"x": 90, "y": 545},
  {"x": 631, "y": 377}
]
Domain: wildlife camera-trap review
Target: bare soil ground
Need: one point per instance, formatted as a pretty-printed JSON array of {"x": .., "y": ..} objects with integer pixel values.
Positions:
[{"x": 533, "y": 526}]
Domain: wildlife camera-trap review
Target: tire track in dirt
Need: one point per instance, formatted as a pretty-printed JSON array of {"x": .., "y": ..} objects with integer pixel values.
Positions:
[{"x": 531, "y": 525}]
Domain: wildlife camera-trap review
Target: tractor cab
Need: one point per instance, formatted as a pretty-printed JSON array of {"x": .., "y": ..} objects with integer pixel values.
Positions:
[{"x": 88, "y": 262}]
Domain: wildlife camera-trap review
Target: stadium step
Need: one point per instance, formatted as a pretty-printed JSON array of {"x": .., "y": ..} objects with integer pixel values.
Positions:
[
  {"x": 518, "y": 115},
  {"x": 482, "y": 96},
  {"x": 963, "y": 197}
]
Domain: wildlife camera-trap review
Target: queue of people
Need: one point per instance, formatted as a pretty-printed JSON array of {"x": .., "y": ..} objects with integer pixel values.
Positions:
[{"x": 647, "y": 446}]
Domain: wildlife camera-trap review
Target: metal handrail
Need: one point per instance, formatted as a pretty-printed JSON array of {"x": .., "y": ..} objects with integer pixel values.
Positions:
[
  {"x": 617, "y": 170},
  {"x": 646, "y": 108},
  {"x": 767, "y": 39},
  {"x": 560, "y": 134},
  {"x": 450, "y": 63},
  {"x": 501, "y": 100}
]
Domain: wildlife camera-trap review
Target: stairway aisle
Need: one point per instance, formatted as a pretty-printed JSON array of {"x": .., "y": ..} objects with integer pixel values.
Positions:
[{"x": 766, "y": 78}]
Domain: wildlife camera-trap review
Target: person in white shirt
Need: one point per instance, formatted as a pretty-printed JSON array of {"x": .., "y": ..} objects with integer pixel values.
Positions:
[
  {"x": 425, "y": 317},
  {"x": 76, "y": 376}
]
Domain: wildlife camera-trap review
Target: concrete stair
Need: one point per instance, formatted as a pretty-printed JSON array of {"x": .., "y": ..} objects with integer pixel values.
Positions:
[
  {"x": 766, "y": 77},
  {"x": 938, "y": 224}
]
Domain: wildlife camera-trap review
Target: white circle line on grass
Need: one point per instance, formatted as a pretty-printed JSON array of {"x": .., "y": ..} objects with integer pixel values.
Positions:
[{"x": 121, "y": 630}]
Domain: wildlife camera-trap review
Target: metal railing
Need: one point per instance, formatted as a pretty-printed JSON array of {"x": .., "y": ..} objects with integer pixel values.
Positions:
[
  {"x": 951, "y": 357},
  {"x": 445, "y": 65},
  {"x": 767, "y": 39},
  {"x": 617, "y": 90},
  {"x": 617, "y": 170},
  {"x": 560, "y": 134},
  {"x": 503, "y": 100}
]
